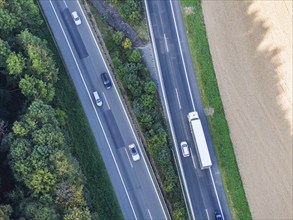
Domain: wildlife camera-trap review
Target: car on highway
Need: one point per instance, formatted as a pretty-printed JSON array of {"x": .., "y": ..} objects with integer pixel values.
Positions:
[
  {"x": 218, "y": 215},
  {"x": 134, "y": 152},
  {"x": 98, "y": 99},
  {"x": 106, "y": 80},
  {"x": 76, "y": 18},
  {"x": 185, "y": 149}
]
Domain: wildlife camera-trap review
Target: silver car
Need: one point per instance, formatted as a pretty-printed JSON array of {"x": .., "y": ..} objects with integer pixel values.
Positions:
[
  {"x": 98, "y": 99},
  {"x": 185, "y": 149}
]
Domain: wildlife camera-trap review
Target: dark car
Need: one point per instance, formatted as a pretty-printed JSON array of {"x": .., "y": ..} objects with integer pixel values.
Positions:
[
  {"x": 218, "y": 215},
  {"x": 106, "y": 80}
]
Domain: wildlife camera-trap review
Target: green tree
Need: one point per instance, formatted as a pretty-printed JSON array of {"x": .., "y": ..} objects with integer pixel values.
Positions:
[
  {"x": 39, "y": 125},
  {"x": 170, "y": 179},
  {"x": 4, "y": 52},
  {"x": 118, "y": 37},
  {"x": 134, "y": 17},
  {"x": 146, "y": 120},
  {"x": 132, "y": 83},
  {"x": 20, "y": 149},
  {"x": 3, "y": 129},
  {"x": 5, "y": 212},
  {"x": 27, "y": 12},
  {"x": 41, "y": 62},
  {"x": 150, "y": 87},
  {"x": 8, "y": 22},
  {"x": 40, "y": 160},
  {"x": 78, "y": 214},
  {"x": 15, "y": 196},
  {"x": 137, "y": 106},
  {"x": 48, "y": 135},
  {"x": 41, "y": 73},
  {"x": 41, "y": 181},
  {"x": 35, "y": 136},
  {"x": 34, "y": 88},
  {"x": 41, "y": 114},
  {"x": 69, "y": 195},
  {"x": 26, "y": 38},
  {"x": 19, "y": 129},
  {"x": 66, "y": 167},
  {"x": 3, "y": 3},
  {"x": 28, "y": 86},
  {"x": 133, "y": 68},
  {"x": 157, "y": 139},
  {"x": 132, "y": 10},
  {"x": 135, "y": 56},
  {"x": 15, "y": 64},
  {"x": 37, "y": 211},
  {"x": 118, "y": 66},
  {"x": 148, "y": 101}
]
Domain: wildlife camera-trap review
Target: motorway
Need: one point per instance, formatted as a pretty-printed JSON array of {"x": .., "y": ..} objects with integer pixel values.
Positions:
[
  {"x": 203, "y": 188},
  {"x": 131, "y": 180}
]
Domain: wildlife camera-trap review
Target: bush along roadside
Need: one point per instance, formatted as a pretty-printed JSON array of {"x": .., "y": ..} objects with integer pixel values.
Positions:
[
  {"x": 142, "y": 96},
  {"x": 205, "y": 74}
]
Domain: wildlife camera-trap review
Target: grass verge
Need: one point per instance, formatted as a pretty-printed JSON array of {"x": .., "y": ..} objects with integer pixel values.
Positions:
[
  {"x": 82, "y": 141},
  {"x": 85, "y": 150},
  {"x": 205, "y": 74}
]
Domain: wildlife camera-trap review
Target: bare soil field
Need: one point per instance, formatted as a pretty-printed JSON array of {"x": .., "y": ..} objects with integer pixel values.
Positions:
[{"x": 251, "y": 47}]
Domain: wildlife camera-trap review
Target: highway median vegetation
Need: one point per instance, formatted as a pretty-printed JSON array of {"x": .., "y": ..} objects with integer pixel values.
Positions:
[
  {"x": 46, "y": 166},
  {"x": 142, "y": 96},
  {"x": 205, "y": 74}
]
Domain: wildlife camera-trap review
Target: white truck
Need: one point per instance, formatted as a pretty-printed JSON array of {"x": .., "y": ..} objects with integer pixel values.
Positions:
[{"x": 200, "y": 141}]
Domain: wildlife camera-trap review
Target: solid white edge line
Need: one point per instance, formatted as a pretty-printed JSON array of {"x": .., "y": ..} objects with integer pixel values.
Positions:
[
  {"x": 216, "y": 192},
  {"x": 128, "y": 157},
  {"x": 128, "y": 197},
  {"x": 150, "y": 214},
  {"x": 178, "y": 98},
  {"x": 155, "y": 189},
  {"x": 168, "y": 110},
  {"x": 106, "y": 100},
  {"x": 207, "y": 214},
  {"x": 185, "y": 71}
]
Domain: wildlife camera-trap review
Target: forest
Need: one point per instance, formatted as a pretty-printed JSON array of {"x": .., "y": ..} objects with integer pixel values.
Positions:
[{"x": 39, "y": 176}]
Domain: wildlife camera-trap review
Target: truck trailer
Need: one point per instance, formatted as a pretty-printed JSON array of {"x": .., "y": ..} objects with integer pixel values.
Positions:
[{"x": 199, "y": 140}]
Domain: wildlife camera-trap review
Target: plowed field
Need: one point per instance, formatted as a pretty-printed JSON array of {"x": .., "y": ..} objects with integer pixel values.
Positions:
[{"x": 251, "y": 47}]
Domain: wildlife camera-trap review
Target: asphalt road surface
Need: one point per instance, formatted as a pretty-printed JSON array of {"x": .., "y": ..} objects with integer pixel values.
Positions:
[
  {"x": 203, "y": 188},
  {"x": 131, "y": 180}
]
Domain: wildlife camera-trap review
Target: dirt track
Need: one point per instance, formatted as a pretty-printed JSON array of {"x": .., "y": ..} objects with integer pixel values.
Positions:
[{"x": 251, "y": 46}]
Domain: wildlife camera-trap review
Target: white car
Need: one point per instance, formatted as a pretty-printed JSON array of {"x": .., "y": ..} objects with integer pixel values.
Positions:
[
  {"x": 134, "y": 152},
  {"x": 185, "y": 149},
  {"x": 76, "y": 18},
  {"x": 98, "y": 99}
]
